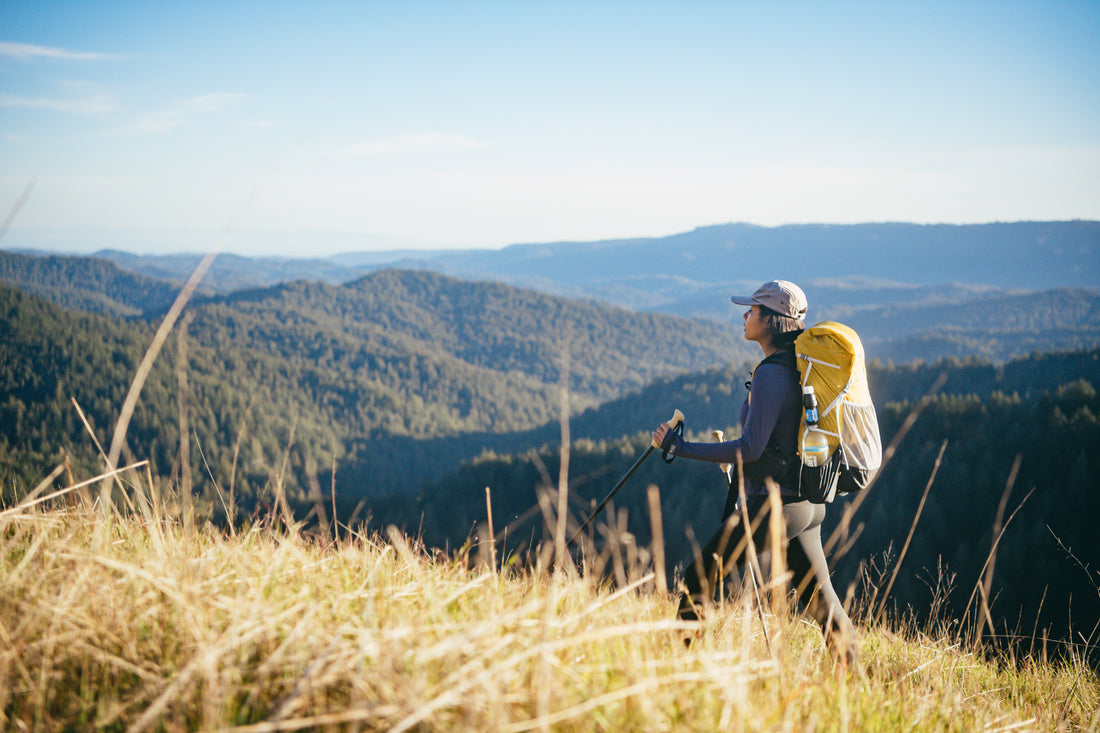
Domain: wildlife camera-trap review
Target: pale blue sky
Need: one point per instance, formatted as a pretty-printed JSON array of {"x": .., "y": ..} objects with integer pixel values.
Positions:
[{"x": 308, "y": 128}]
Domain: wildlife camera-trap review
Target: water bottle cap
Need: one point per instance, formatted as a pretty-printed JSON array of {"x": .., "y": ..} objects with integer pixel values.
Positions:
[{"x": 808, "y": 389}]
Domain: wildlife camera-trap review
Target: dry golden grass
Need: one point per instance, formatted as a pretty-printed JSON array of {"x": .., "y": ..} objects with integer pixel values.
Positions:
[{"x": 141, "y": 623}]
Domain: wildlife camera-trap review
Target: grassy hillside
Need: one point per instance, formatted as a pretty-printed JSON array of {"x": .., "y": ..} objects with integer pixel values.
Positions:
[
  {"x": 146, "y": 624},
  {"x": 132, "y": 616},
  {"x": 360, "y": 399}
]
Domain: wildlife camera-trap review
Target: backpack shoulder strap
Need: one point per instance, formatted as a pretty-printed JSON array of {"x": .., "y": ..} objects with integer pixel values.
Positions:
[{"x": 785, "y": 357}]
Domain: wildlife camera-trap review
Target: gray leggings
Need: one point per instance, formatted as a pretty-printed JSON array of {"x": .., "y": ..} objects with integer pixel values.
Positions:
[{"x": 804, "y": 555}]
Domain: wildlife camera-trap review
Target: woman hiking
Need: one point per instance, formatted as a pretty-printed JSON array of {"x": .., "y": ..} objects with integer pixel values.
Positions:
[{"x": 770, "y": 418}]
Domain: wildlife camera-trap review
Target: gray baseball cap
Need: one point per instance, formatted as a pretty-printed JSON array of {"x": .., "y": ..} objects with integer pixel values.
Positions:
[{"x": 785, "y": 298}]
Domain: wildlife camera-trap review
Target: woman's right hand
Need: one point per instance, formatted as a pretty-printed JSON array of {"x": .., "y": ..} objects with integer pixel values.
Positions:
[{"x": 659, "y": 434}]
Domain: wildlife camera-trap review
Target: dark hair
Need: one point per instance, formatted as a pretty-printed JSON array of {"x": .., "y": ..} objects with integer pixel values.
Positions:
[{"x": 783, "y": 329}]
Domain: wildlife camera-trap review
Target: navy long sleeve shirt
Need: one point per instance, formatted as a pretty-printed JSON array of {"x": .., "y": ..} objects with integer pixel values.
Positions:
[{"x": 773, "y": 405}]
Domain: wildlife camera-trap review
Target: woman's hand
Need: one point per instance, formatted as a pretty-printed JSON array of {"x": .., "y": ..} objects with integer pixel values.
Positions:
[{"x": 660, "y": 433}]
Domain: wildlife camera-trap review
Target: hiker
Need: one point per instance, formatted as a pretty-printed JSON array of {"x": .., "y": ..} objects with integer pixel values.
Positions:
[{"x": 770, "y": 418}]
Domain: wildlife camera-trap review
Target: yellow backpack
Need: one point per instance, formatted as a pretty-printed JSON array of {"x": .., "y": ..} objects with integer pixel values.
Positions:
[{"x": 830, "y": 359}]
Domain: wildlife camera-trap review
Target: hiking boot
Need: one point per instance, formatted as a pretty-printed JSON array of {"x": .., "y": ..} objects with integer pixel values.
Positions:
[
  {"x": 688, "y": 610},
  {"x": 845, "y": 655}
]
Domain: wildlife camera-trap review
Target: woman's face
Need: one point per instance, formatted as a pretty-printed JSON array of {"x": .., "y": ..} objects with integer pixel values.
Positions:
[{"x": 755, "y": 330}]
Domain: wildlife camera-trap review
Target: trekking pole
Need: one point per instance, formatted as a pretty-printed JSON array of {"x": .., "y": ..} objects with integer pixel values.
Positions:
[
  {"x": 725, "y": 468},
  {"x": 727, "y": 471},
  {"x": 677, "y": 422}
]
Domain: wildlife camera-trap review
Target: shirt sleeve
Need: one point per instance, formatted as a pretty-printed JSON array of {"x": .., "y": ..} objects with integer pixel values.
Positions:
[{"x": 765, "y": 404}]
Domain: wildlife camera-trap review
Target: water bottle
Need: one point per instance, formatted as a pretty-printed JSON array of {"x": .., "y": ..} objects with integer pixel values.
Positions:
[
  {"x": 815, "y": 446},
  {"x": 809, "y": 402}
]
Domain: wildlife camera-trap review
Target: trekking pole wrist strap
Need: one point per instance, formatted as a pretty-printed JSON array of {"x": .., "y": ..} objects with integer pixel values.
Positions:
[{"x": 674, "y": 437}]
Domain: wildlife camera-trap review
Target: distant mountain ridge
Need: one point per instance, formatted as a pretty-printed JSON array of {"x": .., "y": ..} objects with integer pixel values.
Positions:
[
  {"x": 881, "y": 277},
  {"x": 960, "y": 314},
  {"x": 661, "y": 273}
]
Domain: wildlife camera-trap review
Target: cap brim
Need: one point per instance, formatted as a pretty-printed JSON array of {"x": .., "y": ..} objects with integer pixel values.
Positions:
[{"x": 742, "y": 300}]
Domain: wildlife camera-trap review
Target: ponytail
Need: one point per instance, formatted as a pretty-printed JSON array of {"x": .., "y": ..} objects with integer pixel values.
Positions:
[{"x": 784, "y": 329}]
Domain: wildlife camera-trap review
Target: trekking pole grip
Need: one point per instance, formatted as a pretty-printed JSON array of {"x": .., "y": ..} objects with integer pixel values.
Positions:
[
  {"x": 675, "y": 425},
  {"x": 719, "y": 436},
  {"x": 676, "y": 419}
]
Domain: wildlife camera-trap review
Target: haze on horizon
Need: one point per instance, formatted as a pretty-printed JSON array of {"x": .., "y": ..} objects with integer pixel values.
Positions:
[{"x": 330, "y": 126}]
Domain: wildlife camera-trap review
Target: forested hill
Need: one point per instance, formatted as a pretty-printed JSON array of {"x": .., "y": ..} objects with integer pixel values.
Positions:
[
  {"x": 887, "y": 277},
  {"x": 898, "y": 322},
  {"x": 86, "y": 283},
  {"x": 353, "y": 376},
  {"x": 486, "y": 325},
  {"x": 996, "y": 326}
]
